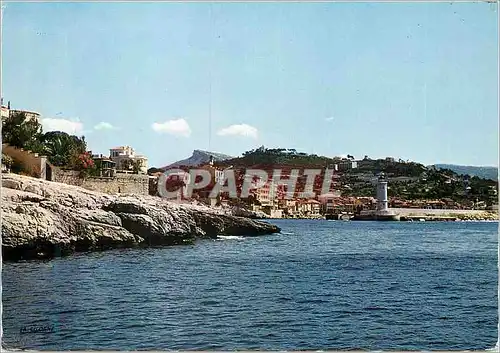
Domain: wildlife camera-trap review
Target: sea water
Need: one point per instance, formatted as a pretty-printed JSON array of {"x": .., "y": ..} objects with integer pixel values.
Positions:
[{"x": 317, "y": 285}]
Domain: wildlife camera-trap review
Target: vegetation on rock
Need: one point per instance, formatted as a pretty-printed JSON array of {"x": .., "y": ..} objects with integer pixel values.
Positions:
[
  {"x": 7, "y": 160},
  {"x": 61, "y": 149}
]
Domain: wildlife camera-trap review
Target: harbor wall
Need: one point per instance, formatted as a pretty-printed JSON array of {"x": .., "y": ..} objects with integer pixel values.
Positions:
[{"x": 434, "y": 212}]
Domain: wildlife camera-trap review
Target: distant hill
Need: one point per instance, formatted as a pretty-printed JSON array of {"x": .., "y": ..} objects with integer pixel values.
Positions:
[
  {"x": 481, "y": 172},
  {"x": 278, "y": 156},
  {"x": 408, "y": 180},
  {"x": 199, "y": 157},
  {"x": 281, "y": 156}
]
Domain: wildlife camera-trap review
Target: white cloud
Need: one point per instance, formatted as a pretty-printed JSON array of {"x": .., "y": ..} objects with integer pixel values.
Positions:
[
  {"x": 68, "y": 126},
  {"x": 104, "y": 126},
  {"x": 178, "y": 127},
  {"x": 239, "y": 130},
  {"x": 329, "y": 118}
]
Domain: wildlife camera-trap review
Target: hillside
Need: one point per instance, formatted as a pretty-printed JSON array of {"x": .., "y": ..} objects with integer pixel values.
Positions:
[
  {"x": 407, "y": 180},
  {"x": 278, "y": 156},
  {"x": 481, "y": 172}
]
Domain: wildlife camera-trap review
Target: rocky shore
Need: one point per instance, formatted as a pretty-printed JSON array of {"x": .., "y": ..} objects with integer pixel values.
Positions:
[{"x": 42, "y": 219}]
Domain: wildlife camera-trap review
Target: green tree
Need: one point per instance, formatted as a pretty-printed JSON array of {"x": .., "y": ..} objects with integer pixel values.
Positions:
[
  {"x": 19, "y": 132},
  {"x": 7, "y": 160},
  {"x": 136, "y": 166},
  {"x": 63, "y": 149},
  {"x": 126, "y": 164}
]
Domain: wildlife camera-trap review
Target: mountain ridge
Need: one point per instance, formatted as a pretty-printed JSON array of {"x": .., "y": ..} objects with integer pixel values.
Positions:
[
  {"x": 485, "y": 172},
  {"x": 198, "y": 157}
]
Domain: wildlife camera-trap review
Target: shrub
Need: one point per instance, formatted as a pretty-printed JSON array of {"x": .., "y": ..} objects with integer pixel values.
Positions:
[
  {"x": 85, "y": 164},
  {"x": 7, "y": 160}
]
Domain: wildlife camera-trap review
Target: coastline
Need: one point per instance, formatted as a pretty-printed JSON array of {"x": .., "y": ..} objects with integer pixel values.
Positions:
[
  {"x": 461, "y": 217},
  {"x": 43, "y": 219}
]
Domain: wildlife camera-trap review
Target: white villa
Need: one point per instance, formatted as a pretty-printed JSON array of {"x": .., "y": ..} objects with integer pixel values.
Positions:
[{"x": 125, "y": 158}]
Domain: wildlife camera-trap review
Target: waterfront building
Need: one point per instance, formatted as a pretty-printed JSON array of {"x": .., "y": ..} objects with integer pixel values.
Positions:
[
  {"x": 309, "y": 207},
  {"x": 328, "y": 201},
  {"x": 217, "y": 176},
  {"x": 266, "y": 194},
  {"x": 290, "y": 207}
]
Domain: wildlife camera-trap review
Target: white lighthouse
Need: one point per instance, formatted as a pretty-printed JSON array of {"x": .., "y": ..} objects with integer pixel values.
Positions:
[
  {"x": 382, "y": 212},
  {"x": 382, "y": 202}
]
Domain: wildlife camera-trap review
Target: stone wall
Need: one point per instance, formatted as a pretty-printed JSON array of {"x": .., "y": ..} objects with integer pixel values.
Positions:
[
  {"x": 121, "y": 183},
  {"x": 434, "y": 212},
  {"x": 32, "y": 163},
  {"x": 70, "y": 177},
  {"x": 153, "y": 186}
]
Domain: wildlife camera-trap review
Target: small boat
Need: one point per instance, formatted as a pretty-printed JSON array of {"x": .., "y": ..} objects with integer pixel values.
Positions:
[{"x": 344, "y": 217}]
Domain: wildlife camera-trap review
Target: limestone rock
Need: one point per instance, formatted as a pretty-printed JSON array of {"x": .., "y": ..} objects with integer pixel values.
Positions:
[{"x": 42, "y": 219}]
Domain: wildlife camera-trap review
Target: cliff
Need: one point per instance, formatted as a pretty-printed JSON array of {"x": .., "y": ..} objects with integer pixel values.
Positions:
[
  {"x": 42, "y": 219},
  {"x": 198, "y": 157}
]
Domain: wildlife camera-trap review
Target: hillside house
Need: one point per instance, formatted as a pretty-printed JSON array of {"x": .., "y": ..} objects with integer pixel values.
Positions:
[{"x": 125, "y": 159}]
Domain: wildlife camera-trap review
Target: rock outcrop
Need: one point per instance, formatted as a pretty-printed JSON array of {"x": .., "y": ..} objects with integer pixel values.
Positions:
[
  {"x": 42, "y": 219},
  {"x": 240, "y": 212},
  {"x": 198, "y": 157}
]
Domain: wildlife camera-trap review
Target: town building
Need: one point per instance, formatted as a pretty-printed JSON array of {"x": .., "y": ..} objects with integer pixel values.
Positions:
[
  {"x": 345, "y": 164},
  {"x": 127, "y": 160},
  {"x": 33, "y": 116},
  {"x": 217, "y": 176},
  {"x": 289, "y": 207},
  {"x": 327, "y": 202},
  {"x": 8, "y": 112},
  {"x": 265, "y": 198},
  {"x": 178, "y": 182},
  {"x": 30, "y": 116},
  {"x": 5, "y": 110},
  {"x": 106, "y": 168},
  {"x": 266, "y": 194},
  {"x": 309, "y": 207}
]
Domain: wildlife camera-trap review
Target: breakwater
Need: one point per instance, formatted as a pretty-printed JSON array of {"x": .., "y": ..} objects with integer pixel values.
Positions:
[{"x": 445, "y": 214}]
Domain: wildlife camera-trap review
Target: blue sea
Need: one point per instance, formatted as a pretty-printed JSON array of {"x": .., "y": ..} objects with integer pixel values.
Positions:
[{"x": 318, "y": 285}]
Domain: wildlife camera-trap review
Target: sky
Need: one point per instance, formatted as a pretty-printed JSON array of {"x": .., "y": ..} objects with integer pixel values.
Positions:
[{"x": 417, "y": 81}]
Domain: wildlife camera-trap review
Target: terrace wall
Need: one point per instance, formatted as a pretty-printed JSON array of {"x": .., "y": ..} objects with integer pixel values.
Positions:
[{"x": 121, "y": 183}]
